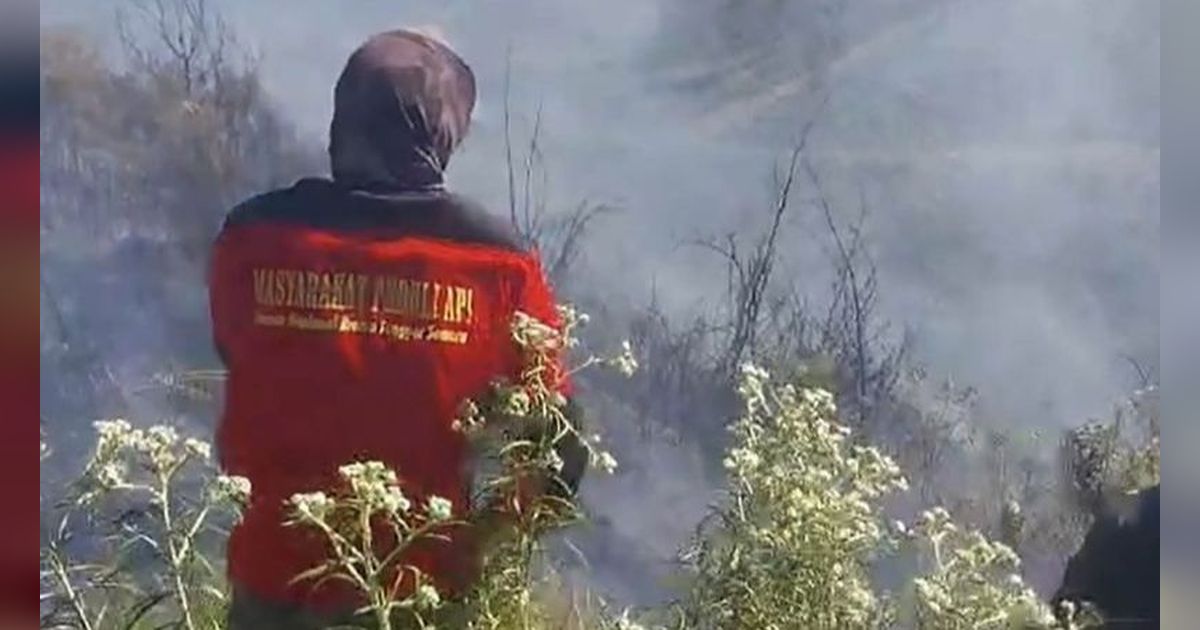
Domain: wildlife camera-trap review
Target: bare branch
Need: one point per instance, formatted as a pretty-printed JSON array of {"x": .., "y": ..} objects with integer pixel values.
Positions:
[
  {"x": 512, "y": 189},
  {"x": 532, "y": 159},
  {"x": 1144, "y": 377}
]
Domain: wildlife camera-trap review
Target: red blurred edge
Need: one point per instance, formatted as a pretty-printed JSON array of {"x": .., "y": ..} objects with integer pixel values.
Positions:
[{"x": 19, "y": 374}]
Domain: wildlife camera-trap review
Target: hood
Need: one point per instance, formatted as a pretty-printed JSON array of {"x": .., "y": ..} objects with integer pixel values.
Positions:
[{"x": 401, "y": 107}]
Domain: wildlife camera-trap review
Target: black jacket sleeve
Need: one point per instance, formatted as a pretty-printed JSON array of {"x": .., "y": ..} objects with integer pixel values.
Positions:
[{"x": 573, "y": 453}]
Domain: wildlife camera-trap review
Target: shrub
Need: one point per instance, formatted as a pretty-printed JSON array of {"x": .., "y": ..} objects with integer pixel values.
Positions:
[
  {"x": 151, "y": 476},
  {"x": 792, "y": 545},
  {"x": 515, "y": 432},
  {"x": 801, "y": 521},
  {"x": 1104, "y": 462},
  {"x": 349, "y": 523},
  {"x": 973, "y": 583}
]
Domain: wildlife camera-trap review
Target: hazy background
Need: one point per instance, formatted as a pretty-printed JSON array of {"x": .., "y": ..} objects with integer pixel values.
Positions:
[{"x": 1009, "y": 151}]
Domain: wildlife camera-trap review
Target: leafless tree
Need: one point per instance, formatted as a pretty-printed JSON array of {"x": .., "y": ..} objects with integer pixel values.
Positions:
[
  {"x": 192, "y": 43},
  {"x": 1145, "y": 376},
  {"x": 867, "y": 361},
  {"x": 749, "y": 275},
  {"x": 851, "y": 329},
  {"x": 136, "y": 176},
  {"x": 558, "y": 237},
  {"x": 680, "y": 386}
]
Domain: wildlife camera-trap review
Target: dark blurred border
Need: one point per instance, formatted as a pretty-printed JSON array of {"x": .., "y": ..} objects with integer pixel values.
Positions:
[
  {"x": 19, "y": 93},
  {"x": 1180, "y": 308},
  {"x": 1180, "y": 68},
  {"x": 19, "y": 467}
]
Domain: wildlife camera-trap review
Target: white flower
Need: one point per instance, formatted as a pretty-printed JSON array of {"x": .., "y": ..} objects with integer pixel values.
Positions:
[
  {"x": 742, "y": 460},
  {"x": 394, "y": 501},
  {"x": 368, "y": 476},
  {"x": 754, "y": 373},
  {"x": 161, "y": 436},
  {"x": 375, "y": 485},
  {"x": 230, "y": 488},
  {"x": 515, "y": 401},
  {"x": 112, "y": 429},
  {"x": 625, "y": 363},
  {"x": 111, "y": 474},
  {"x": 529, "y": 332},
  {"x": 197, "y": 448},
  {"x": 439, "y": 508},
  {"x": 311, "y": 505},
  {"x": 469, "y": 418},
  {"x": 115, "y": 435},
  {"x": 158, "y": 443},
  {"x": 427, "y": 596},
  {"x": 606, "y": 462}
]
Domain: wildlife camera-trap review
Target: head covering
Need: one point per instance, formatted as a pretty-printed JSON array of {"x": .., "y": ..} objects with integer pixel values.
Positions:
[{"x": 401, "y": 106}]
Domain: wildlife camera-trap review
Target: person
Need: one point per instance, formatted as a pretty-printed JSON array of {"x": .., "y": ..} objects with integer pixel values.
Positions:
[
  {"x": 355, "y": 314},
  {"x": 1117, "y": 567}
]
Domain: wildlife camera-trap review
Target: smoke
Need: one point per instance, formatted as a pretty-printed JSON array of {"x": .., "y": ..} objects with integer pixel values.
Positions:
[{"x": 1007, "y": 153}]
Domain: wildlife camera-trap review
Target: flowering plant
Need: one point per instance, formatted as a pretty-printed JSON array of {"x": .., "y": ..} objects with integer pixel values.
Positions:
[
  {"x": 792, "y": 546},
  {"x": 151, "y": 474},
  {"x": 973, "y": 583},
  {"x": 800, "y": 523},
  {"x": 519, "y": 431},
  {"x": 517, "y": 435},
  {"x": 795, "y": 541},
  {"x": 349, "y": 523}
]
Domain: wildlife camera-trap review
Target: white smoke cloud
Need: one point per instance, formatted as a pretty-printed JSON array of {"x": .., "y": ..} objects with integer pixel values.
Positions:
[{"x": 1009, "y": 151}]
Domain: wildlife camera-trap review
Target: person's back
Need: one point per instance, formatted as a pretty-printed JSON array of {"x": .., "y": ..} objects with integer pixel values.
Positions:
[{"x": 355, "y": 314}]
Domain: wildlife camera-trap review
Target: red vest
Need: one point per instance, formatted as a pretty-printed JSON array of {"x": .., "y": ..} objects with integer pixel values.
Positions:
[{"x": 353, "y": 326}]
